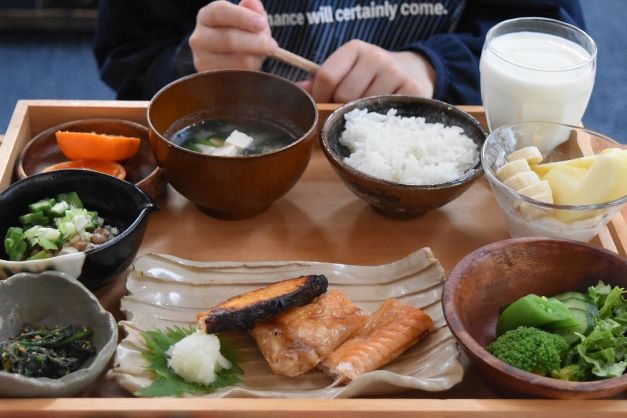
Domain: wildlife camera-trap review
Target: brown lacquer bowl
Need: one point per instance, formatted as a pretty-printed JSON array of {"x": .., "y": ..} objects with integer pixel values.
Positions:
[
  {"x": 394, "y": 199},
  {"x": 42, "y": 151},
  {"x": 242, "y": 186},
  {"x": 500, "y": 273}
]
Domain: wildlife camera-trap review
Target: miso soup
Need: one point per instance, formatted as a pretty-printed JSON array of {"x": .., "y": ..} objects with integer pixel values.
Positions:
[{"x": 209, "y": 137}]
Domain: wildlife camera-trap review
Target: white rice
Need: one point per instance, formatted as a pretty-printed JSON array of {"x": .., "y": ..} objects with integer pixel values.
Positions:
[{"x": 406, "y": 150}]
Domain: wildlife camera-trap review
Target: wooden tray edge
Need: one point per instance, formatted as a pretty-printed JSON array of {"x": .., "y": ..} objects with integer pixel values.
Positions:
[{"x": 345, "y": 408}]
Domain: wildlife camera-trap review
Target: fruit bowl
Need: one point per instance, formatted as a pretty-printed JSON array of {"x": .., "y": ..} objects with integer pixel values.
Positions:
[{"x": 528, "y": 216}]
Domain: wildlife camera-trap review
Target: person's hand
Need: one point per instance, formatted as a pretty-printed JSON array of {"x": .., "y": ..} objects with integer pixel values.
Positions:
[
  {"x": 229, "y": 36},
  {"x": 359, "y": 69}
]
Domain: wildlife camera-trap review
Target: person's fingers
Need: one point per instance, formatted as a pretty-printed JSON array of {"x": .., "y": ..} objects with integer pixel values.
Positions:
[
  {"x": 227, "y": 40},
  {"x": 212, "y": 61},
  {"x": 333, "y": 71},
  {"x": 385, "y": 82},
  {"x": 225, "y": 14},
  {"x": 305, "y": 85},
  {"x": 357, "y": 81},
  {"x": 254, "y": 5},
  {"x": 413, "y": 88}
]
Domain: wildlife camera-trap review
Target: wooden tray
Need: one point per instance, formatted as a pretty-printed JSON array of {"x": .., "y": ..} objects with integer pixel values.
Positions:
[{"x": 321, "y": 220}]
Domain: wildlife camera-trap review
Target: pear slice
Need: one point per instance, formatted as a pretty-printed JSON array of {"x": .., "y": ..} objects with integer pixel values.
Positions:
[
  {"x": 565, "y": 182},
  {"x": 583, "y": 162},
  {"x": 606, "y": 180}
]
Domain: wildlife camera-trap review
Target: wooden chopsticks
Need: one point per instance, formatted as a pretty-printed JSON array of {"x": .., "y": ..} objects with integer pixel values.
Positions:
[{"x": 295, "y": 60}]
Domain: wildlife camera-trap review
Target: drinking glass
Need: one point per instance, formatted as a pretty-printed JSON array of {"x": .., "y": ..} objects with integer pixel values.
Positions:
[{"x": 536, "y": 69}]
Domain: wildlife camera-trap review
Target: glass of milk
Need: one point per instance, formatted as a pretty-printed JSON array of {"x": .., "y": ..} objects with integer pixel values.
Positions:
[{"x": 536, "y": 69}]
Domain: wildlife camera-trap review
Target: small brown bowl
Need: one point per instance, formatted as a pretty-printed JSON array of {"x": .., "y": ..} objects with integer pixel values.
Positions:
[
  {"x": 232, "y": 187},
  {"x": 42, "y": 151},
  {"x": 502, "y": 272},
  {"x": 394, "y": 199}
]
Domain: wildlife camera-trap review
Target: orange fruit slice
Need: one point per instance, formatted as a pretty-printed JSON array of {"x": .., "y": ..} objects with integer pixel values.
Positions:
[
  {"x": 108, "y": 167},
  {"x": 93, "y": 146}
]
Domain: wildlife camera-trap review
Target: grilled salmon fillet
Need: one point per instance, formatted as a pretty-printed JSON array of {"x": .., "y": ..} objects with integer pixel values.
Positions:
[
  {"x": 243, "y": 311},
  {"x": 392, "y": 329},
  {"x": 295, "y": 341}
]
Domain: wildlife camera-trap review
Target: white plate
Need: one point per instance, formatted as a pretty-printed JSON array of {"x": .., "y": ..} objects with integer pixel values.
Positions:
[{"x": 164, "y": 290}]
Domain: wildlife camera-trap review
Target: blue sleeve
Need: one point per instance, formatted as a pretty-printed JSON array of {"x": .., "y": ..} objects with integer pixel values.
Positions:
[
  {"x": 137, "y": 42},
  {"x": 455, "y": 56}
]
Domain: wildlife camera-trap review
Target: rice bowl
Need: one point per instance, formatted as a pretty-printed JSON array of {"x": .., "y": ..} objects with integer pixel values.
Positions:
[
  {"x": 406, "y": 150},
  {"x": 392, "y": 198}
]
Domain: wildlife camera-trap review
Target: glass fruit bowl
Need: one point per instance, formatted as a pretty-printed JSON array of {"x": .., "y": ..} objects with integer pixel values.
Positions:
[{"x": 576, "y": 166}]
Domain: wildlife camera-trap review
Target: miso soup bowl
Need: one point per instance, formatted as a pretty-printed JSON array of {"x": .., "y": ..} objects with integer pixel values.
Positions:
[{"x": 232, "y": 187}]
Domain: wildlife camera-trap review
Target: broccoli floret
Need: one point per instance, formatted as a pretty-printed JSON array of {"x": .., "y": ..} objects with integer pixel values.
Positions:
[
  {"x": 531, "y": 349},
  {"x": 572, "y": 372}
]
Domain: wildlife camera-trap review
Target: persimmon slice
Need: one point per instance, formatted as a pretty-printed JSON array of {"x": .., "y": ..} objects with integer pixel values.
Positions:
[
  {"x": 93, "y": 146},
  {"x": 108, "y": 167}
]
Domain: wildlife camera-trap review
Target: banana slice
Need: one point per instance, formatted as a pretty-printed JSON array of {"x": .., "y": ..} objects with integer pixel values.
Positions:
[
  {"x": 512, "y": 168},
  {"x": 521, "y": 180},
  {"x": 539, "y": 191},
  {"x": 531, "y": 212},
  {"x": 544, "y": 196},
  {"x": 531, "y": 154}
]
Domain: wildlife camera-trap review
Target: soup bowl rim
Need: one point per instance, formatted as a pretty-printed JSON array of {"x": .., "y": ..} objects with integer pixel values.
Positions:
[{"x": 298, "y": 139}]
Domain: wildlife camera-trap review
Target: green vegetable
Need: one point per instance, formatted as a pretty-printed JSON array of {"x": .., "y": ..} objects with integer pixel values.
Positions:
[
  {"x": 71, "y": 198},
  {"x": 598, "y": 337},
  {"x": 34, "y": 218},
  {"x": 43, "y": 206},
  {"x": 41, "y": 352},
  {"x": 167, "y": 382},
  {"x": 40, "y": 255},
  {"x": 531, "y": 349},
  {"x": 15, "y": 244},
  {"x": 534, "y": 311},
  {"x": 214, "y": 141},
  {"x": 573, "y": 295},
  {"x": 578, "y": 300},
  {"x": 610, "y": 301},
  {"x": 77, "y": 221},
  {"x": 44, "y": 237},
  {"x": 572, "y": 372},
  {"x": 49, "y": 226},
  {"x": 59, "y": 208},
  {"x": 604, "y": 349},
  {"x": 584, "y": 312}
]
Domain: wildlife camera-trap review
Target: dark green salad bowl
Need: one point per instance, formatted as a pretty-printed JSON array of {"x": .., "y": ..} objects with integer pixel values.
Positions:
[
  {"x": 54, "y": 299},
  {"x": 121, "y": 204},
  {"x": 500, "y": 273}
]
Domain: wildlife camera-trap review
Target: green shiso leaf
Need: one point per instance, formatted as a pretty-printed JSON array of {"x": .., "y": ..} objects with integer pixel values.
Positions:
[{"x": 167, "y": 382}]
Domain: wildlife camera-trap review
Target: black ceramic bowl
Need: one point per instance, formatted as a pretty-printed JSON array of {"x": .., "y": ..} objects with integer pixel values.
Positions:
[
  {"x": 395, "y": 199},
  {"x": 121, "y": 204}
]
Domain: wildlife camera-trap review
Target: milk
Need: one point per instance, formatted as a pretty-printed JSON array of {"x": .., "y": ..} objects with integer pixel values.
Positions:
[{"x": 533, "y": 79}]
